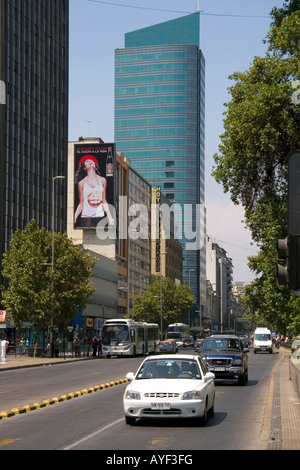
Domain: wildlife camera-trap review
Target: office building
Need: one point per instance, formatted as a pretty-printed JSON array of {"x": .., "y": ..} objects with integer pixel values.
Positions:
[
  {"x": 159, "y": 125},
  {"x": 34, "y": 44},
  {"x": 219, "y": 275}
]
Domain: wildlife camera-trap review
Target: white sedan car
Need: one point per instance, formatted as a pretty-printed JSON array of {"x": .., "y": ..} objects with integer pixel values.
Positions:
[{"x": 169, "y": 386}]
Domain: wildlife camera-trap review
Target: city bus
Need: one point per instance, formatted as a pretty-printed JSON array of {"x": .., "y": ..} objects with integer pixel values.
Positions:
[
  {"x": 125, "y": 337},
  {"x": 179, "y": 332}
]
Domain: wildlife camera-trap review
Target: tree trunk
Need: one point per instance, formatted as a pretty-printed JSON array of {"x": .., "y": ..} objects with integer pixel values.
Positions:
[{"x": 36, "y": 342}]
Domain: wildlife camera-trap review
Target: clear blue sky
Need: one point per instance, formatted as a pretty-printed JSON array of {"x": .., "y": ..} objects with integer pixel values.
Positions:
[{"x": 232, "y": 33}]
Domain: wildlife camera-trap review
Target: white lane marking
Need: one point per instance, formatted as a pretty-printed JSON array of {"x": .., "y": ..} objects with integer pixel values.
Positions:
[{"x": 90, "y": 436}]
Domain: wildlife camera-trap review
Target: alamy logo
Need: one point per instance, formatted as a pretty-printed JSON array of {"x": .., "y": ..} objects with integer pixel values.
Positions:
[
  {"x": 188, "y": 223},
  {"x": 2, "y": 92}
]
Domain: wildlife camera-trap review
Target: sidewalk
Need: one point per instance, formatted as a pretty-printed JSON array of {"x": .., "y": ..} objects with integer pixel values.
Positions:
[
  {"x": 289, "y": 407},
  {"x": 20, "y": 362},
  {"x": 282, "y": 421}
]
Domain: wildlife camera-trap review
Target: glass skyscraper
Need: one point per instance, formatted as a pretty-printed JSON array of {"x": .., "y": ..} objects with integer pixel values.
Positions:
[
  {"x": 159, "y": 126},
  {"x": 34, "y": 44}
]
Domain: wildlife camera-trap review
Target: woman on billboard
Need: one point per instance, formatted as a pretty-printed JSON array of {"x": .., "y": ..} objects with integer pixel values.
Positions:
[{"x": 92, "y": 193}]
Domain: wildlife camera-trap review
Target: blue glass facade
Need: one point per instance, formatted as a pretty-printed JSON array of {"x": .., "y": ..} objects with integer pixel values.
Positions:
[
  {"x": 159, "y": 123},
  {"x": 34, "y": 44}
]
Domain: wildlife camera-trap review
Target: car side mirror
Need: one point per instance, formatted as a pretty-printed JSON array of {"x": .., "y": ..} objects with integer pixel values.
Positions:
[
  {"x": 130, "y": 376},
  {"x": 208, "y": 376},
  {"x": 246, "y": 350}
]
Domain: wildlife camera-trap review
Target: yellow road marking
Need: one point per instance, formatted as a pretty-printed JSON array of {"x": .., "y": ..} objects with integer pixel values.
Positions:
[{"x": 8, "y": 441}]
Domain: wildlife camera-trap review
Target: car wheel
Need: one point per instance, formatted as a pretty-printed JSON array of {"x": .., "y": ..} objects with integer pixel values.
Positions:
[
  {"x": 243, "y": 379},
  {"x": 212, "y": 409},
  {"x": 130, "y": 420}
]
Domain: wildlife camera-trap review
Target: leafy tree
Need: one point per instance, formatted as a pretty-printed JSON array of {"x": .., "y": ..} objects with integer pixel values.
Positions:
[
  {"x": 176, "y": 303},
  {"x": 261, "y": 127},
  {"x": 32, "y": 291}
]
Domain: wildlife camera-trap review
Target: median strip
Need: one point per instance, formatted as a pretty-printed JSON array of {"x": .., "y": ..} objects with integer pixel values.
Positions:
[{"x": 52, "y": 401}]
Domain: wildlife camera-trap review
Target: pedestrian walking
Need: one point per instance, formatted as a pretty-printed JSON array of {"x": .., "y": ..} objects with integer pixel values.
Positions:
[
  {"x": 22, "y": 345},
  {"x": 76, "y": 347},
  {"x": 278, "y": 339},
  {"x": 94, "y": 346},
  {"x": 56, "y": 347}
]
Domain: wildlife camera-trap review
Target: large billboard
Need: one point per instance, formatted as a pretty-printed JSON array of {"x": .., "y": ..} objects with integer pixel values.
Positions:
[{"x": 94, "y": 194}]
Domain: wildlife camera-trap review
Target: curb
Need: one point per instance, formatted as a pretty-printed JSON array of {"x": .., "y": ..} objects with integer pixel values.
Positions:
[
  {"x": 52, "y": 401},
  {"x": 45, "y": 363}
]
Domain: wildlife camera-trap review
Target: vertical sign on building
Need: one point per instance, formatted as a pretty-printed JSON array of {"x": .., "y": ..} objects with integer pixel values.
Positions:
[
  {"x": 94, "y": 192},
  {"x": 158, "y": 235}
]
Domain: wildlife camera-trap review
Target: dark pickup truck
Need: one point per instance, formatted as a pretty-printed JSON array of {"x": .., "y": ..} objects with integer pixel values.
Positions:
[{"x": 226, "y": 357}]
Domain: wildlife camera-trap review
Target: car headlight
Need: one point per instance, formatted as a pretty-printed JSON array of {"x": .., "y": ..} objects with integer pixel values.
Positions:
[
  {"x": 237, "y": 362},
  {"x": 192, "y": 395},
  {"x": 131, "y": 395}
]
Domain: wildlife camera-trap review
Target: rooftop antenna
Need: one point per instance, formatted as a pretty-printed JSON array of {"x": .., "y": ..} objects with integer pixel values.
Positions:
[
  {"x": 89, "y": 123},
  {"x": 198, "y": 5}
]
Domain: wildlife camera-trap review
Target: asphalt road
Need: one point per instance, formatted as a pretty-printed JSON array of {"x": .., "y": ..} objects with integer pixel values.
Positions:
[{"x": 95, "y": 421}]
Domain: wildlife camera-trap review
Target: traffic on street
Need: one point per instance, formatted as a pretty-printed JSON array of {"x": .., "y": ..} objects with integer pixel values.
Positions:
[{"x": 96, "y": 420}]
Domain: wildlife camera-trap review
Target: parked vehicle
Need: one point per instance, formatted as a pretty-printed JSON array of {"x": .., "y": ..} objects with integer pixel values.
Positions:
[
  {"x": 226, "y": 357},
  {"x": 170, "y": 387}
]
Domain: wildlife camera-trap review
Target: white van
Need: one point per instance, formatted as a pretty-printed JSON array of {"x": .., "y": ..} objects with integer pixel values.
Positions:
[{"x": 262, "y": 340}]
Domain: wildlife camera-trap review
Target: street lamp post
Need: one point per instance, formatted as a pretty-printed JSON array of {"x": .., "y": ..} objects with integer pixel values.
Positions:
[
  {"x": 54, "y": 178},
  {"x": 128, "y": 268},
  {"x": 190, "y": 287}
]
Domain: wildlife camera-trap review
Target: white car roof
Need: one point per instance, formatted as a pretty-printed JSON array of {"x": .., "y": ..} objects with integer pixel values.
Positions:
[{"x": 173, "y": 357}]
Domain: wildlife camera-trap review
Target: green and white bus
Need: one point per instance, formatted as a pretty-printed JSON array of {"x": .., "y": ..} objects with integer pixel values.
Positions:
[{"x": 124, "y": 337}]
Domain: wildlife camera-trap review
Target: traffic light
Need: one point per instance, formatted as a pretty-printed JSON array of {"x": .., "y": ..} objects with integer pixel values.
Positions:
[
  {"x": 294, "y": 193},
  {"x": 282, "y": 255},
  {"x": 288, "y": 250}
]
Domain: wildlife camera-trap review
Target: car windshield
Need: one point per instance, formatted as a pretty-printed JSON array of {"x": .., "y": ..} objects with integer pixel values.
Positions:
[
  {"x": 221, "y": 345},
  {"x": 169, "y": 369},
  {"x": 113, "y": 335},
  {"x": 263, "y": 337}
]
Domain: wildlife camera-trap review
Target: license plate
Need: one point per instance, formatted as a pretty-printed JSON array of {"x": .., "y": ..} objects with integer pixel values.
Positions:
[
  {"x": 220, "y": 369},
  {"x": 160, "y": 406}
]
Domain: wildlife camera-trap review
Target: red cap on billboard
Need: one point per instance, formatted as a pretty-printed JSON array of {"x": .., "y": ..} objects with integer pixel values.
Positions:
[{"x": 88, "y": 157}]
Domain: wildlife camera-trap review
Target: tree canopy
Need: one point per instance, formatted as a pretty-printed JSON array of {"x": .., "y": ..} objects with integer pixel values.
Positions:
[
  {"x": 176, "y": 303},
  {"x": 261, "y": 128},
  {"x": 32, "y": 291}
]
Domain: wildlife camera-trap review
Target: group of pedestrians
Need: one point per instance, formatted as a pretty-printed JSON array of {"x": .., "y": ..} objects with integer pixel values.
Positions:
[
  {"x": 97, "y": 345},
  {"x": 278, "y": 339},
  {"x": 84, "y": 346}
]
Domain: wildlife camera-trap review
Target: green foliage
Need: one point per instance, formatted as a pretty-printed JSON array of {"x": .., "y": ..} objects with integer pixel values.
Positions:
[
  {"x": 32, "y": 291},
  {"x": 261, "y": 127},
  {"x": 176, "y": 302}
]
